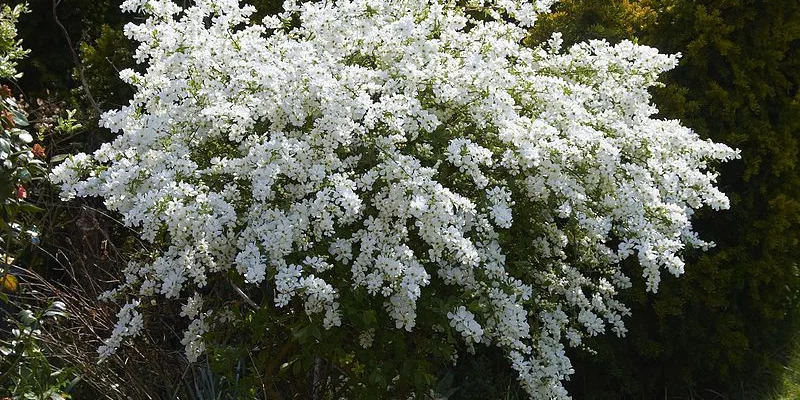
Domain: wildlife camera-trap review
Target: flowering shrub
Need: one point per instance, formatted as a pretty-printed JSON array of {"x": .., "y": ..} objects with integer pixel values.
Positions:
[{"x": 381, "y": 165}]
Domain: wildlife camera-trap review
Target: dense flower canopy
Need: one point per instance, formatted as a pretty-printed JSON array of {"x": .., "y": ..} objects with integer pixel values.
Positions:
[{"x": 399, "y": 146}]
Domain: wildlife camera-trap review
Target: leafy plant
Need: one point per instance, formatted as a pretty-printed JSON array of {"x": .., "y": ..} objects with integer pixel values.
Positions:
[
  {"x": 25, "y": 370},
  {"x": 10, "y": 46},
  {"x": 359, "y": 181}
]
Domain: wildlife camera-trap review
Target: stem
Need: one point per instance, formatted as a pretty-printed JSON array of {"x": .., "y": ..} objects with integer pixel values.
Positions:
[
  {"x": 75, "y": 59},
  {"x": 180, "y": 382},
  {"x": 244, "y": 296}
]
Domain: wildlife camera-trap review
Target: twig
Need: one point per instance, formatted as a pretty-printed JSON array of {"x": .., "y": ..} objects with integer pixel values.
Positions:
[
  {"x": 75, "y": 59},
  {"x": 258, "y": 374},
  {"x": 177, "y": 385},
  {"x": 244, "y": 296}
]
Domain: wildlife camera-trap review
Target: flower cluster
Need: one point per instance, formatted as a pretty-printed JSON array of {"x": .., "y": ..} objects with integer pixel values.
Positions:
[
  {"x": 464, "y": 323},
  {"x": 129, "y": 324},
  {"x": 397, "y": 146}
]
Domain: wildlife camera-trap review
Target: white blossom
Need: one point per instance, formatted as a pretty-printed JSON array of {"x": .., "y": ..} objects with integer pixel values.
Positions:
[
  {"x": 129, "y": 324},
  {"x": 464, "y": 322}
]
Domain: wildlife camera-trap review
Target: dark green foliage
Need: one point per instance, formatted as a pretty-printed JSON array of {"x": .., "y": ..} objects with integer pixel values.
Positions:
[
  {"x": 103, "y": 57},
  {"x": 92, "y": 32},
  {"x": 49, "y": 67},
  {"x": 741, "y": 71},
  {"x": 724, "y": 326}
]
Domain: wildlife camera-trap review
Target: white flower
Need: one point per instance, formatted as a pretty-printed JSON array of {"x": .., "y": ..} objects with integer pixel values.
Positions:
[
  {"x": 250, "y": 264},
  {"x": 193, "y": 339},
  {"x": 129, "y": 324},
  {"x": 464, "y": 323},
  {"x": 193, "y": 306}
]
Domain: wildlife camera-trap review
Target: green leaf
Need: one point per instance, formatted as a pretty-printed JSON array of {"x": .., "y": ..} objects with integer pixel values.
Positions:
[
  {"x": 421, "y": 379},
  {"x": 19, "y": 118},
  {"x": 302, "y": 333},
  {"x": 369, "y": 318},
  {"x": 316, "y": 332},
  {"x": 377, "y": 378},
  {"x": 23, "y": 175},
  {"x": 7, "y": 212},
  {"x": 59, "y": 158},
  {"x": 24, "y": 206},
  {"x": 297, "y": 367}
]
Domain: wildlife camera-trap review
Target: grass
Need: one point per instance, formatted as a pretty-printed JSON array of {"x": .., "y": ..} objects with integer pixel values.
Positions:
[{"x": 789, "y": 384}]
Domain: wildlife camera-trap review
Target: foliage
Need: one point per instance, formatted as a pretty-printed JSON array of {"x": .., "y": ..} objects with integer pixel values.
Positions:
[
  {"x": 49, "y": 69},
  {"x": 789, "y": 385},
  {"x": 614, "y": 20},
  {"x": 103, "y": 57},
  {"x": 19, "y": 163},
  {"x": 361, "y": 181},
  {"x": 724, "y": 326},
  {"x": 25, "y": 370},
  {"x": 10, "y": 46}
]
